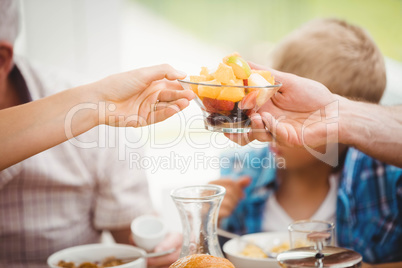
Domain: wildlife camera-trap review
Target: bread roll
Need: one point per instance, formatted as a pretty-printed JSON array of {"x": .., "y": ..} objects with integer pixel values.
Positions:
[{"x": 202, "y": 261}]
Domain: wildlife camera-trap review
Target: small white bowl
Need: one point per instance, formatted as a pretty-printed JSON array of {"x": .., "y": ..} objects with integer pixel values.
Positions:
[
  {"x": 148, "y": 231},
  {"x": 98, "y": 252},
  {"x": 267, "y": 240}
]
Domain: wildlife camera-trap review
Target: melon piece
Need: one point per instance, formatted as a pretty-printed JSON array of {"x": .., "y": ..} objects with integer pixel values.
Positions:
[
  {"x": 197, "y": 79},
  {"x": 207, "y": 73},
  {"x": 234, "y": 94},
  {"x": 224, "y": 74},
  {"x": 236, "y": 82},
  {"x": 209, "y": 91},
  {"x": 257, "y": 80},
  {"x": 266, "y": 74},
  {"x": 264, "y": 94}
]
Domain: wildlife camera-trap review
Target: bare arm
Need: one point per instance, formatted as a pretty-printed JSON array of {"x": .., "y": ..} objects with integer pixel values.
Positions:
[
  {"x": 373, "y": 129},
  {"x": 36, "y": 126},
  {"x": 124, "y": 100}
]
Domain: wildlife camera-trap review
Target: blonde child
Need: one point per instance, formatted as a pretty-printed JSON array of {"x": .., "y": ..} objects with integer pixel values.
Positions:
[{"x": 361, "y": 195}]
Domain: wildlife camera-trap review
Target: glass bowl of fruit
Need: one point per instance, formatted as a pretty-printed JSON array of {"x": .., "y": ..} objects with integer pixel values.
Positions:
[{"x": 228, "y": 95}]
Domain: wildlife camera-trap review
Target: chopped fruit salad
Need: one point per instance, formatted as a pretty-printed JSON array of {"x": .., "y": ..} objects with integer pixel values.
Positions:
[{"x": 233, "y": 91}]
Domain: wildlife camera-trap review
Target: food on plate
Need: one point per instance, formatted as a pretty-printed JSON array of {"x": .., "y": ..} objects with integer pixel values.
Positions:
[
  {"x": 280, "y": 248},
  {"x": 107, "y": 262},
  {"x": 233, "y": 91},
  {"x": 112, "y": 261},
  {"x": 202, "y": 261},
  {"x": 253, "y": 251},
  {"x": 66, "y": 264},
  {"x": 88, "y": 265}
]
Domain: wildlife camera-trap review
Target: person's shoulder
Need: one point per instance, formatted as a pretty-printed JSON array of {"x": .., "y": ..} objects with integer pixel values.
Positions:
[
  {"x": 369, "y": 206},
  {"x": 43, "y": 80},
  {"x": 361, "y": 172},
  {"x": 357, "y": 162}
]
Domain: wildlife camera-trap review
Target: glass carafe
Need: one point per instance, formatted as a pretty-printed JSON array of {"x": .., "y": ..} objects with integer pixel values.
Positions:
[{"x": 198, "y": 208}]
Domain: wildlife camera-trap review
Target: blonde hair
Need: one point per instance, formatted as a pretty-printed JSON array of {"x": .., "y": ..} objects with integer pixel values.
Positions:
[{"x": 341, "y": 56}]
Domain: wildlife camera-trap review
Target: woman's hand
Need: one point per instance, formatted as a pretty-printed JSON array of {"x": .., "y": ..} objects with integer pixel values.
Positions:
[
  {"x": 141, "y": 97},
  {"x": 132, "y": 99}
]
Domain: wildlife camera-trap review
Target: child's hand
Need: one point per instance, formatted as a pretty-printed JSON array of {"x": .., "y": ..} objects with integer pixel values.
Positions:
[
  {"x": 234, "y": 193},
  {"x": 172, "y": 240}
]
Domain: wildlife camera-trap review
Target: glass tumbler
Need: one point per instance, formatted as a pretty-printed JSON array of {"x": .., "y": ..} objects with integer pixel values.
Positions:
[
  {"x": 301, "y": 233},
  {"x": 198, "y": 208}
]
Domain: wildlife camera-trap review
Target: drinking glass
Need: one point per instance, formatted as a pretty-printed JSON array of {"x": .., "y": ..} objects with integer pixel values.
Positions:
[{"x": 305, "y": 233}]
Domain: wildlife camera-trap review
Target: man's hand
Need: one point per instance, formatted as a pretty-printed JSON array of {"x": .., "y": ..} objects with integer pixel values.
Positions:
[
  {"x": 172, "y": 240},
  {"x": 234, "y": 193},
  {"x": 296, "y": 115}
]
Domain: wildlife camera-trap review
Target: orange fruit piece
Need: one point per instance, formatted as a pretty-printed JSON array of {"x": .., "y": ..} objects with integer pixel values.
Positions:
[
  {"x": 224, "y": 74},
  {"x": 197, "y": 79},
  {"x": 209, "y": 91},
  {"x": 234, "y": 94},
  {"x": 205, "y": 72}
]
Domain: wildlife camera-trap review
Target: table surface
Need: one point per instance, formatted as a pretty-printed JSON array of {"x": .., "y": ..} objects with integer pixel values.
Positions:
[{"x": 385, "y": 265}]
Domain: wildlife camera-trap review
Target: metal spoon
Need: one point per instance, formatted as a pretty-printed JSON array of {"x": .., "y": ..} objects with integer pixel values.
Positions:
[
  {"x": 239, "y": 237},
  {"x": 150, "y": 255}
]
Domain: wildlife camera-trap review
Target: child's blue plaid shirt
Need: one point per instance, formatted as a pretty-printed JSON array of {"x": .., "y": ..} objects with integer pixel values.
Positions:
[{"x": 369, "y": 204}]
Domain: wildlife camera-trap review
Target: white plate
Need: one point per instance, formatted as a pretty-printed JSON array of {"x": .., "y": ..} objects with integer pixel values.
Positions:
[
  {"x": 98, "y": 252},
  {"x": 267, "y": 240}
]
